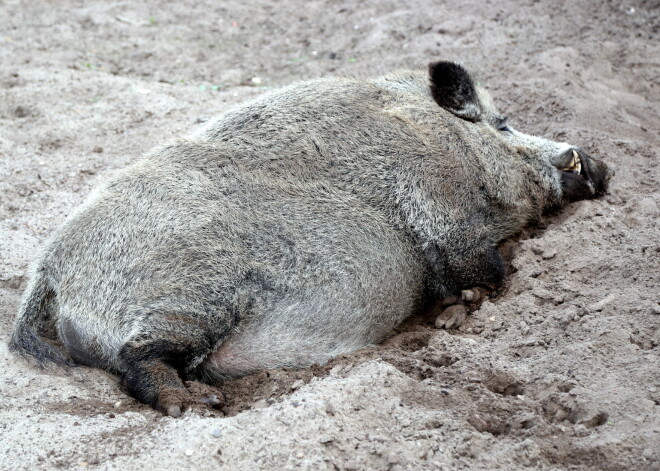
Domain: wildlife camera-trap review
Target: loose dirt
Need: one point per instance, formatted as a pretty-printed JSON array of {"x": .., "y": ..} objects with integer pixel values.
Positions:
[{"x": 558, "y": 371}]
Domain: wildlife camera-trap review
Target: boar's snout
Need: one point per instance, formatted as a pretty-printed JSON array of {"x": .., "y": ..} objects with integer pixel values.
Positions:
[{"x": 582, "y": 177}]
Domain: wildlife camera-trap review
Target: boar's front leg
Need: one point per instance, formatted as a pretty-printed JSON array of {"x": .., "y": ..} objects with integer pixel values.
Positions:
[
  {"x": 467, "y": 267},
  {"x": 462, "y": 266},
  {"x": 477, "y": 265},
  {"x": 167, "y": 346}
]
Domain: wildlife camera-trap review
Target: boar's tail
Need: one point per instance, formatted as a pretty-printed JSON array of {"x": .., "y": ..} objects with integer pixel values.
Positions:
[{"x": 32, "y": 315}]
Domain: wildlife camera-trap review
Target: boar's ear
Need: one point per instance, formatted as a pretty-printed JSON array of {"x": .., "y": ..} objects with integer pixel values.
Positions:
[{"x": 453, "y": 89}]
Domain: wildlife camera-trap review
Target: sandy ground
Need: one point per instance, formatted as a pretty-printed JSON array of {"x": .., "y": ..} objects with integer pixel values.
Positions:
[{"x": 561, "y": 371}]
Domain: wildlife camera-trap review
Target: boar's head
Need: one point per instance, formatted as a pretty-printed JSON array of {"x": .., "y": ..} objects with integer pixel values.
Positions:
[{"x": 573, "y": 173}]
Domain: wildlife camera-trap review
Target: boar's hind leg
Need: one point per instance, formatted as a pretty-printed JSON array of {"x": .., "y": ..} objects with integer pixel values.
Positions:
[{"x": 153, "y": 360}]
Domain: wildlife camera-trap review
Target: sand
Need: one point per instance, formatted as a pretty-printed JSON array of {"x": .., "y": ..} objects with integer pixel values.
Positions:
[{"x": 559, "y": 371}]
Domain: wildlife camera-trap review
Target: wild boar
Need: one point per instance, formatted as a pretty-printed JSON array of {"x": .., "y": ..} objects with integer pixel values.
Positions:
[{"x": 307, "y": 223}]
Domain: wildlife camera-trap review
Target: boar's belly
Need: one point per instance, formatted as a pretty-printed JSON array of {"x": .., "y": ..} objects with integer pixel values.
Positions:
[
  {"x": 245, "y": 353},
  {"x": 315, "y": 329}
]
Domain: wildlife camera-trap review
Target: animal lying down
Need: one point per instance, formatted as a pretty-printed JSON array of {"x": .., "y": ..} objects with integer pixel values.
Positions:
[{"x": 301, "y": 225}]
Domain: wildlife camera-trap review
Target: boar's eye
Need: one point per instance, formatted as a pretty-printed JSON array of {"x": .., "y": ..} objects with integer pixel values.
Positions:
[{"x": 502, "y": 124}]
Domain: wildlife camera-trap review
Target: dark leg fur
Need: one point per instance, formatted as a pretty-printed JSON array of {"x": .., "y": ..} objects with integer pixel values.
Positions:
[
  {"x": 477, "y": 266},
  {"x": 480, "y": 265},
  {"x": 153, "y": 362},
  {"x": 158, "y": 384}
]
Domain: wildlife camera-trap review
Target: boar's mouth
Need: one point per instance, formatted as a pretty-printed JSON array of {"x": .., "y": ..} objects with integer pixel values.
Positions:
[
  {"x": 581, "y": 176},
  {"x": 575, "y": 164}
]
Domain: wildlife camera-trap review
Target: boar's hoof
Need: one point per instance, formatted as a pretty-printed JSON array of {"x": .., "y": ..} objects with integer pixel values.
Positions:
[
  {"x": 172, "y": 400},
  {"x": 469, "y": 295},
  {"x": 212, "y": 401},
  {"x": 449, "y": 300},
  {"x": 174, "y": 411},
  {"x": 205, "y": 394},
  {"x": 452, "y": 317}
]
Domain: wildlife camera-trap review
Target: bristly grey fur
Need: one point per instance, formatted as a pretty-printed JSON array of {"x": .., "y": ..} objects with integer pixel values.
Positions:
[{"x": 301, "y": 225}]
